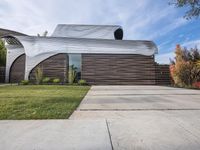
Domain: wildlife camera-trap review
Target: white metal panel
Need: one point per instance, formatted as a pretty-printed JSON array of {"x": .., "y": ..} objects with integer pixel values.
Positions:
[
  {"x": 86, "y": 31},
  {"x": 13, "y": 52},
  {"x": 6, "y": 32},
  {"x": 40, "y": 45}
]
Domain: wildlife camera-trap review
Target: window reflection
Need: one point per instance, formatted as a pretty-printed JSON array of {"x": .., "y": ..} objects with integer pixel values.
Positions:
[{"x": 75, "y": 64}]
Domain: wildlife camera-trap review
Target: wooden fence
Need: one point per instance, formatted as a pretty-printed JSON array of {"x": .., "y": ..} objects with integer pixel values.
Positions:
[{"x": 163, "y": 75}]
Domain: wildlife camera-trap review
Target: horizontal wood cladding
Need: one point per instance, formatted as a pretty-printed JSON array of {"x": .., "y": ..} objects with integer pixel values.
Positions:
[
  {"x": 163, "y": 75},
  {"x": 111, "y": 69},
  {"x": 2, "y": 74},
  {"x": 17, "y": 69},
  {"x": 53, "y": 67}
]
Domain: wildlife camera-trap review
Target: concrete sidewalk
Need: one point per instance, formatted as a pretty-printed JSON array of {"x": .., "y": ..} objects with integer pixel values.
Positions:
[
  {"x": 54, "y": 135},
  {"x": 7, "y": 84}
]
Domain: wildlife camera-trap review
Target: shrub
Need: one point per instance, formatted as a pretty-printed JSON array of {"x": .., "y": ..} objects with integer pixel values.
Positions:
[
  {"x": 24, "y": 82},
  {"x": 198, "y": 63},
  {"x": 185, "y": 70},
  {"x": 56, "y": 80},
  {"x": 46, "y": 80},
  {"x": 196, "y": 84},
  {"x": 183, "y": 74},
  {"x": 172, "y": 72},
  {"x": 82, "y": 82},
  {"x": 2, "y": 53},
  {"x": 39, "y": 75},
  {"x": 72, "y": 74}
]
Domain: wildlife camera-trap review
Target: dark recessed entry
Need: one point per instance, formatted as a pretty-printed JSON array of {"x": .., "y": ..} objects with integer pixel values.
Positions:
[{"x": 118, "y": 34}]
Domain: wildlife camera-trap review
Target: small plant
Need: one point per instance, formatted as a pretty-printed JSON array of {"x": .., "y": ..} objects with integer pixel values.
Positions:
[
  {"x": 72, "y": 74},
  {"x": 56, "y": 80},
  {"x": 46, "y": 80},
  {"x": 39, "y": 75},
  {"x": 24, "y": 82},
  {"x": 82, "y": 82}
]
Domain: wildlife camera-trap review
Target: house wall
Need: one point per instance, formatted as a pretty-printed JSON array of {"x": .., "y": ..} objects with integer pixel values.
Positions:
[
  {"x": 17, "y": 69},
  {"x": 111, "y": 69},
  {"x": 162, "y": 75},
  {"x": 100, "y": 69},
  {"x": 54, "y": 67},
  {"x": 31, "y": 62},
  {"x": 2, "y": 74}
]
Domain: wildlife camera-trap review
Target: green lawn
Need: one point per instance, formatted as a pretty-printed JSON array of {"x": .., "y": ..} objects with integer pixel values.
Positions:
[{"x": 40, "y": 101}]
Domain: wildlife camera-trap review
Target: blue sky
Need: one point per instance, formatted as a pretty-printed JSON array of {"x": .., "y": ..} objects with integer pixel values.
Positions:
[{"x": 141, "y": 19}]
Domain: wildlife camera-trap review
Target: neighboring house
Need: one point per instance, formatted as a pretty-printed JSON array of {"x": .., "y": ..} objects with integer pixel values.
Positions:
[{"x": 97, "y": 51}]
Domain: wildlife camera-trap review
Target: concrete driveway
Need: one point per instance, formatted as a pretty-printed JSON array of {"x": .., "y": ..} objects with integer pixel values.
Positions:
[
  {"x": 140, "y": 98},
  {"x": 145, "y": 117},
  {"x": 115, "y": 117}
]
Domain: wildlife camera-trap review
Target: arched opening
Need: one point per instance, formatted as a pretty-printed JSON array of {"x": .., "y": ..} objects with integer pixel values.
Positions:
[
  {"x": 17, "y": 70},
  {"x": 118, "y": 34}
]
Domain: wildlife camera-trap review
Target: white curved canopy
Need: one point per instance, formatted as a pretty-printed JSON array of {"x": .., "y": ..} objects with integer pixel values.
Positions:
[
  {"x": 6, "y": 32},
  {"x": 39, "y": 45},
  {"x": 87, "y": 31},
  {"x": 80, "y": 39}
]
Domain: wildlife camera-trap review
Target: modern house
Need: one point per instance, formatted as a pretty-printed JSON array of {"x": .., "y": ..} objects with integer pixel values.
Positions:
[{"x": 99, "y": 53}]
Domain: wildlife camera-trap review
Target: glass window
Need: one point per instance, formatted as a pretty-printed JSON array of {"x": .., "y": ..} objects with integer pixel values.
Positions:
[{"x": 75, "y": 65}]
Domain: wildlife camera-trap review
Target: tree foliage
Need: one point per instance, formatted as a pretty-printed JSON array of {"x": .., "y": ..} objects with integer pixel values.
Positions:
[
  {"x": 2, "y": 53},
  {"x": 185, "y": 70},
  {"x": 44, "y": 34},
  {"x": 192, "y": 5}
]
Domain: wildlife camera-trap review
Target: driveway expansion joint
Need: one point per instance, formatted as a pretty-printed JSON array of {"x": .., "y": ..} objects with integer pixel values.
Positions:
[{"x": 107, "y": 125}]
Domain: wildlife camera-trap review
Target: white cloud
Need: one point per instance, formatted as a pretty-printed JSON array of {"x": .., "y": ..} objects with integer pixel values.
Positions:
[
  {"x": 140, "y": 19},
  {"x": 164, "y": 58},
  {"x": 176, "y": 23},
  {"x": 24, "y": 16},
  {"x": 192, "y": 44}
]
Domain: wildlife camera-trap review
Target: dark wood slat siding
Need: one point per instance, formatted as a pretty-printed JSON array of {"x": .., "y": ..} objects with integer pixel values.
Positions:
[
  {"x": 111, "y": 69},
  {"x": 18, "y": 69},
  {"x": 163, "y": 75},
  {"x": 2, "y": 74},
  {"x": 53, "y": 67}
]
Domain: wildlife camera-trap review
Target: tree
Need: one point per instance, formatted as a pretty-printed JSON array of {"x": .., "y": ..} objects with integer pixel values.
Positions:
[
  {"x": 192, "y": 5},
  {"x": 2, "y": 53},
  {"x": 185, "y": 70},
  {"x": 44, "y": 34}
]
